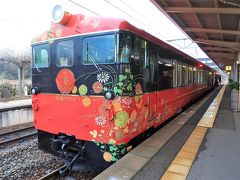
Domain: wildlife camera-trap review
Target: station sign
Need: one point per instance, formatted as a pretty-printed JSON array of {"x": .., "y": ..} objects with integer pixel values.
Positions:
[{"x": 228, "y": 68}]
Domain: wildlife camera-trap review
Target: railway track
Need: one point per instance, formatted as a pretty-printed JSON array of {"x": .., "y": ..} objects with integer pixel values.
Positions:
[
  {"x": 17, "y": 135},
  {"x": 54, "y": 174}
]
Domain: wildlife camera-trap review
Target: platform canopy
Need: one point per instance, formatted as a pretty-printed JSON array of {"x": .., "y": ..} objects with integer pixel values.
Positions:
[{"x": 213, "y": 24}]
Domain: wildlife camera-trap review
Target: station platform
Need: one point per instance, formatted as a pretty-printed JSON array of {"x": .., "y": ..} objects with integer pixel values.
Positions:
[
  {"x": 201, "y": 143},
  {"x": 15, "y": 104}
]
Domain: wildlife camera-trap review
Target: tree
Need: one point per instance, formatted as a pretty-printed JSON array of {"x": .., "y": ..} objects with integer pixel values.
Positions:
[{"x": 20, "y": 59}]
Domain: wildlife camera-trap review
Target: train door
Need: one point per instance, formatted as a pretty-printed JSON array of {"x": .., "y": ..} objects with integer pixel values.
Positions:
[
  {"x": 165, "y": 72},
  {"x": 153, "y": 84},
  {"x": 140, "y": 70}
]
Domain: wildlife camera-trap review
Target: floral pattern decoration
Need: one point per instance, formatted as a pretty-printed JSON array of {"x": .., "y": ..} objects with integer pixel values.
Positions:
[
  {"x": 121, "y": 119},
  {"x": 117, "y": 151},
  {"x": 83, "y": 90},
  {"x": 103, "y": 77},
  {"x": 100, "y": 120},
  {"x": 97, "y": 87}
]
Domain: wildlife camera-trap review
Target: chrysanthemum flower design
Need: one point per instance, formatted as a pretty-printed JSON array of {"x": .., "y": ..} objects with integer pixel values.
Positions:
[
  {"x": 121, "y": 119},
  {"x": 97, "y": 87},
  {"x": 127, "y": 101},
  {"x": 100, "y": 120},
  {"x": 103, "y": 77},
  {"x": 82, "y": 90}
]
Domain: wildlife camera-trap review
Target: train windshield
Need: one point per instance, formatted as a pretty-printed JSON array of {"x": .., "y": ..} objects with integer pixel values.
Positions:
[
  {"x": 65, "y": 55},
  {"x": 41, "y": 56},
  {"x": 99, "y": 49}
]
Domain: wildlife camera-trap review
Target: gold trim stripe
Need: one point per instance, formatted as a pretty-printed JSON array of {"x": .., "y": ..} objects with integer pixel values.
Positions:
[{"x": 209, "y": 116}]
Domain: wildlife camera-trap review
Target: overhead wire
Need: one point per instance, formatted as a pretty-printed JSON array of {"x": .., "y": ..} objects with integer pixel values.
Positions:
[
  {"x": 130, "y": 7},
  {"x": 180, "y": 47},
  {"x": 119, "y": 9},
  {"x": 84, "y": 7},
  {"x": 129, "y": 15},
  {"x": 133, "y": 17},
  {"x": 12, "y": 22}
]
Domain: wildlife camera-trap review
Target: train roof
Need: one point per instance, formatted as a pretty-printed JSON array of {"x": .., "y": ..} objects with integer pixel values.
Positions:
[{"x": 79, "y": 24}]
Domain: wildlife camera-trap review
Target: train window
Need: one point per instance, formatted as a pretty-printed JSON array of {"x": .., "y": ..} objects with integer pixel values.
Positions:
[
  {"x": 165, "y": 74},
  {"x": 174, "y": 74},
  {"x": 153, "y": 68},
  {"x": 195, "y": 76},
  {"x": 138, "y": 55},
  {"x": 41, "y": 56},
  {"x": 205, "y": 77},
  {"x": 190, "y": 75},
  {"x": 65, "y": 53},
  {"x": 184, "y": 75},
  {"x": 200, "y": 76},
  {"x": 139, "y": 48},
  {"x": 124, "y": 47},
  {"x": 99, "y": 49},
  {"x": 179, "y": 75}
]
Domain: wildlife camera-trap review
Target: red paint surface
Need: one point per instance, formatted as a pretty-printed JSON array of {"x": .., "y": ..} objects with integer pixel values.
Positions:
[{"x": 118, "y": 121}]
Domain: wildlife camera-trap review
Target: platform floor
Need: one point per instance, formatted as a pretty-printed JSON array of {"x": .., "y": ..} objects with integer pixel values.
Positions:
[
  {"x": 159, "y": 164},
  {"x": 15, "y": 104},
  {"x": 219, "y": 154},
  {"x": 217, "y": 157}
]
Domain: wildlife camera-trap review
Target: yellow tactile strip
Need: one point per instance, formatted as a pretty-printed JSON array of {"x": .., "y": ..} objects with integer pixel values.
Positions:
[
  {"x": 182, "y": 163},
  {"x": 210, "y": 115}
]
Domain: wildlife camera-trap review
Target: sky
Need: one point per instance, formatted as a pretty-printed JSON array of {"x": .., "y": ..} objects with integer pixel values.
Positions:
[{"x": 22, "y": 20}]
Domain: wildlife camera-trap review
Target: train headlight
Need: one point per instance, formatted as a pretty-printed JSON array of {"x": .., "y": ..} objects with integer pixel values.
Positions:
[
  {"x": 109, "y": 95},
  {"x": 34, "y": 90},
  {"x": 59, "y": 15}
]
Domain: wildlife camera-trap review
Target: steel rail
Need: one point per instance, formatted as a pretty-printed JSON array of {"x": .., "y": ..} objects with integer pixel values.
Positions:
[
  {"x": 16, "y": 131},
  {"x": 17, "y": 138},
  {"x": 53, "y": 174}
]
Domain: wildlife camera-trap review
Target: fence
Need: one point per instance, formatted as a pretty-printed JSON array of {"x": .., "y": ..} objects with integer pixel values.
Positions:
[{"x": 9, "y": 91}]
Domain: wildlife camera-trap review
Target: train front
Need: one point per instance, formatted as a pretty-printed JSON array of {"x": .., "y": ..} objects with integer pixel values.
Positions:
[{"x": 75, "y": 78}]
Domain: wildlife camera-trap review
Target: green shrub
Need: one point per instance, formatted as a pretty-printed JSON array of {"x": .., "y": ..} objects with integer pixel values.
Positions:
[
  {"x": 8, "y": 90},
  {"x": 233, "y": 84}
]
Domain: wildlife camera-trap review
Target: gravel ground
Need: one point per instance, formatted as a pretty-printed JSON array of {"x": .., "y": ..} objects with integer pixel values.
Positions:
[{"x": 23, "y": 160}]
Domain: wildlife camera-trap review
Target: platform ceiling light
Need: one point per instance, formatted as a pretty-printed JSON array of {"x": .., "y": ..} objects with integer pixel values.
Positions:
[{"x": 59, "y": 15}]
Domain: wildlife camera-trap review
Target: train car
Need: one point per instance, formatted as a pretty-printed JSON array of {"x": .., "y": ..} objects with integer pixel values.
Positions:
[{"x": 101, "y": 83}]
